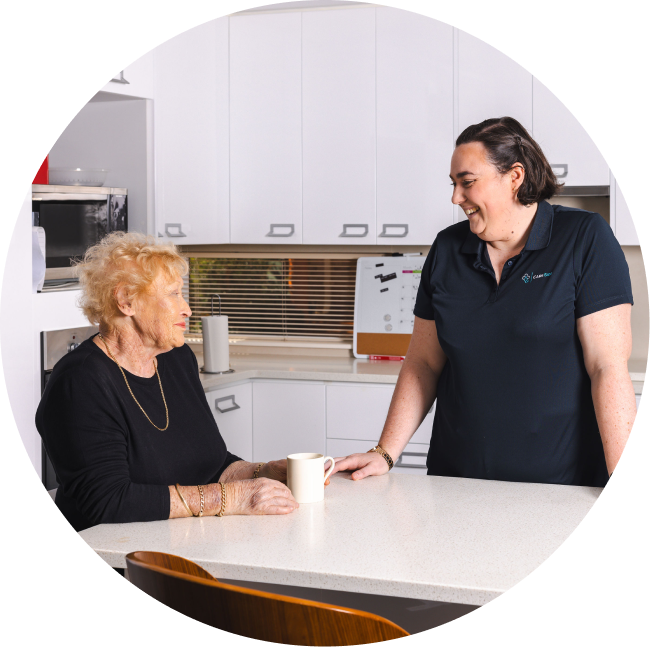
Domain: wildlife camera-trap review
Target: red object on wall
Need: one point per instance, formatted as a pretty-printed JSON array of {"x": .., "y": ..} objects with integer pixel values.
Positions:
[{"x": 43, "y": 175}]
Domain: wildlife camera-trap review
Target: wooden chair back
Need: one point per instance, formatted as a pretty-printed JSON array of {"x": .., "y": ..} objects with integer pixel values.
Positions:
[{"x": 189, "y": 589}]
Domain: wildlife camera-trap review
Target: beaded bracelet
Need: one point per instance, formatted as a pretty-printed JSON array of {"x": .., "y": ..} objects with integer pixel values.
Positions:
[{"x": 200, "y": 489}]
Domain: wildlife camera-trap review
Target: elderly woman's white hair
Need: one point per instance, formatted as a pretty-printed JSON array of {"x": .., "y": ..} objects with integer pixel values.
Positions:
[{"x": 129, "y": 260}]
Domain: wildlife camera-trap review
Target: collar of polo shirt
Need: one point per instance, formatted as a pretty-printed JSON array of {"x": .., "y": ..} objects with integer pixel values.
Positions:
[{"x": 540, "y": 234}]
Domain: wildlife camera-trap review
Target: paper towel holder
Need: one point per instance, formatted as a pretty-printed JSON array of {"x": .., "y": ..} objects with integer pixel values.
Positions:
[{"x": 231, "y": 370}]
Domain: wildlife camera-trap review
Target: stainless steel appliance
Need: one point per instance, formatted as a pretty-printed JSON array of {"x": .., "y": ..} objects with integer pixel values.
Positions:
[
  {"x": 75, "y": 218},
  {"x": 54, "y": 345}
]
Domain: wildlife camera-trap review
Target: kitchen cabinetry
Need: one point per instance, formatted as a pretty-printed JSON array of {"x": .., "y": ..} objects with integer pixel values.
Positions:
[
  {"x": 491, "y": 84},
  {"x": 191, "y": 136},
  {"x": 415, "y": 123},
  {"x": 139, "y": 76},
  {"x": 338, "y": 95},
  {"x": 232, "y": 408},
  {"x": 265, "y": 128},
  {"x": 571, "y": 152},
  {"x": 358, "y": 412},
  {"x": 620, "y": 217},
  {"x": 288, "y": 418}
]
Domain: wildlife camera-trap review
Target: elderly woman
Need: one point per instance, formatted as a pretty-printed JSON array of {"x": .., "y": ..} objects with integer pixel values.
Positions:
[
  {"x": 124, "y": 418},
  {"x": 522, "y": 330}
]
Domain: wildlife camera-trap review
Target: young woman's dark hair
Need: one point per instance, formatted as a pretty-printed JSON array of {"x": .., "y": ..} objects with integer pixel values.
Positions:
[{"x": 507, "y": 143}]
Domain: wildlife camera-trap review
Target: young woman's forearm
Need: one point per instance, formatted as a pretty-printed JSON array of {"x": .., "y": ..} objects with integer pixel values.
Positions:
[
  {"x": 413, "y": 397},
  {"x": 615, "y": 406}
]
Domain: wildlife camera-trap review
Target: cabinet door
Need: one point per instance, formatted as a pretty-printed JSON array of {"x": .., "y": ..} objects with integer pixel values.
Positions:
[
  {"x": 232, "y": 408},
  {"x": 191, "y": 136},
  {"x": 338, "y": 94},
  {"x": 288, "y": 418},
  {"x": 620, "y": 217},
  {"x": 265, "y": 129},
  {"x": 413, "y": 459},
  {"x": 415, "y": 122},
  {"x": 136, "y": 80},
  {"x": 490, "y": 84},
  {"x": 571, "y": 152},
  {"x": 358, "y": 411}
]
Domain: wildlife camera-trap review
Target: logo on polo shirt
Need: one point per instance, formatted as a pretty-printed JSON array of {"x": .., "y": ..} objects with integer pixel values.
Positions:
[{"x": 542, "y": 275}]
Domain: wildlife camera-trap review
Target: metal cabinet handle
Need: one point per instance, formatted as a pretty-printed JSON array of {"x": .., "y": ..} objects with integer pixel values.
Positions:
[
  {"x": 121, "y": 79},
  {"x": 228, "y": 397},
  {"x": 385, "y": 234},
  {"x": 400, "y": 461},
  {"x": 272, "y": 233},
  {"x": 563, "y": 167},
  {"x": 174, "y": 225},
  {"x": 344, "y": 233}
]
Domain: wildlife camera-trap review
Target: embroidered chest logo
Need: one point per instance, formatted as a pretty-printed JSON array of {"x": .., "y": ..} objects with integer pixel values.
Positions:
[{"x": 542, "y": 275}]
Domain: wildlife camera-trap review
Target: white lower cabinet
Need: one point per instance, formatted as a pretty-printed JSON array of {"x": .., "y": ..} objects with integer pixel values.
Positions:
[
  {"x": 232, "y": 408},
  {"x": 412, "y": 461},
  {"x": 358, "y": 411},
  {"x": 288, "y": 418}
]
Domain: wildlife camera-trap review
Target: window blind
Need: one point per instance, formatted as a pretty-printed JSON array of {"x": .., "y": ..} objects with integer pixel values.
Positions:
[{"x": 275, "y": 298}]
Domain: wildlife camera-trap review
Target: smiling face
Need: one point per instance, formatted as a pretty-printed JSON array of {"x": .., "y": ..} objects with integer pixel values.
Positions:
[
  {"x": 487, "y": 196},
  {"x": 159, "y": 315}
]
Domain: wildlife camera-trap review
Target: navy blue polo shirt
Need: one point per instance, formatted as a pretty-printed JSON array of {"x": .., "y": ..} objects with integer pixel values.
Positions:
[{"x": 514, "y": 398}]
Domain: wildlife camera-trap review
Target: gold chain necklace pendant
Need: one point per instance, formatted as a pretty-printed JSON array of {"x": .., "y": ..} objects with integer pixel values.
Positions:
[{"x": 155, "y": 366}]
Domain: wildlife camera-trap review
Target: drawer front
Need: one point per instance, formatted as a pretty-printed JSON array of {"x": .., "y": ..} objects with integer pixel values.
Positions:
[
  {"x": 232, "y": 408},
  {"x": 358, "y": 412},
  {"x": 412, "y": 461}
]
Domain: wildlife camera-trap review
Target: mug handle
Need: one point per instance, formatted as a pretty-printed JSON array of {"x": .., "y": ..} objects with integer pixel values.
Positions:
[{"x": 331, "y": 469}]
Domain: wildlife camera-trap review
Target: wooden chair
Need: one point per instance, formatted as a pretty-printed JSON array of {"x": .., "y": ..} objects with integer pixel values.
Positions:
[{"x": 189, "y": 589}]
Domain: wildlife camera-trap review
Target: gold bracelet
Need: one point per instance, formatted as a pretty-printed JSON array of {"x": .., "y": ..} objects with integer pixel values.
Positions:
[
  {"x": 200, "y": 489},
  {"x": 223, "y": 500},
  {"x": 256, "y": 473},
  {"x": 187, "y": 507},
  {"x": 382, "y": 452}
]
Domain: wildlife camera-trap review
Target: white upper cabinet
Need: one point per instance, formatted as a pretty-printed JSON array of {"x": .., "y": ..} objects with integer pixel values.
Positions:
[
  {"x": 191, "y": 136},
  {"x": 265, "y": 128},
  {"x": 620, "y": 217},
  {"x": 339, "y": 152},
  {"x": 415, "y": 122},
  {"x": 490, "y": 84},
  {"x": 571, "y": 152},
  {"x": 136, "y": 80}
]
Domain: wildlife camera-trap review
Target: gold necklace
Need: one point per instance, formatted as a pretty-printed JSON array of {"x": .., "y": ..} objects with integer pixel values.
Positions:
[{"x": 155, "y": 365}]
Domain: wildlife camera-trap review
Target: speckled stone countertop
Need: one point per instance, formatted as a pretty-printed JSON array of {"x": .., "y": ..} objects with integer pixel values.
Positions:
[
  {"x": 426, "y": 537},
  {"x": 327, "y": 369}
]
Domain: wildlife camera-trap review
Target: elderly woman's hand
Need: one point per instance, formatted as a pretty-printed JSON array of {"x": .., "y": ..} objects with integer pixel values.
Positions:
[
  {"x": 259, "y": 496},
  {"x": 362, "y": 465},
  {"x": 276, "y": 470}
]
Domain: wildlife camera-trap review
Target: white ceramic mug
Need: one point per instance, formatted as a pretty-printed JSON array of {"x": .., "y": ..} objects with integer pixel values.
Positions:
[{"x": 305, "y": 476}]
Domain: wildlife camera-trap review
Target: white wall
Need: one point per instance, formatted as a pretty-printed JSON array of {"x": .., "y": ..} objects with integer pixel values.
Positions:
[
  {"x": 113, "y": 135},
  {"x": 15, "y": 332}
]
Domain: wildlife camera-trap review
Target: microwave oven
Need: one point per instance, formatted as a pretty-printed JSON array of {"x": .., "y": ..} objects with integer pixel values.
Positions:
[{"x": 75, "y": 218}]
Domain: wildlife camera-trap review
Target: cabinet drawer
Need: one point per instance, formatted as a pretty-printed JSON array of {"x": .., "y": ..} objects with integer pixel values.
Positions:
[
  {"x": 232, "y": 408},
  {"x": 288, "y": 418},
  {"x": 359, "y": 412},
  {"x": 412, "y": 461}
]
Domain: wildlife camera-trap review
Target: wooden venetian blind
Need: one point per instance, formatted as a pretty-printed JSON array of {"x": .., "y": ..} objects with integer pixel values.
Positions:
[{"x": 276, "y": 298}]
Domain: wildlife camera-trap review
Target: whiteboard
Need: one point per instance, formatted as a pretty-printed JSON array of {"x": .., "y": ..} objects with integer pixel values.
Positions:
[{"x": 386, "y": 289}]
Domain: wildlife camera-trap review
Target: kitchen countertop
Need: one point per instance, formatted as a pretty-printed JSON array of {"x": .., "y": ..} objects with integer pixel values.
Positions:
[
  {"x": 327, "y": 369},
  {"x": 425, "y": 537}
]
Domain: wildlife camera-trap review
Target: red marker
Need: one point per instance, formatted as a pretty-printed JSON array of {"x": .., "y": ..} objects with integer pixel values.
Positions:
[{"x": 395, "y": 358}]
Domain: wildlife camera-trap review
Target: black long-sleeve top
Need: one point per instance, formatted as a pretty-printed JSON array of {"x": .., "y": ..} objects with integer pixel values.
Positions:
[{"x": 112, "y": 464}]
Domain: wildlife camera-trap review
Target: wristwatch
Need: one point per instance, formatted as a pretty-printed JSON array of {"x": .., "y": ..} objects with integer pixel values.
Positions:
[{"x": 382, "y": 452}]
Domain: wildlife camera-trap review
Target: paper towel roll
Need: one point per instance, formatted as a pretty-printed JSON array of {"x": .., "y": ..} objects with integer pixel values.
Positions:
[{"x": 216, "y": 352}]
